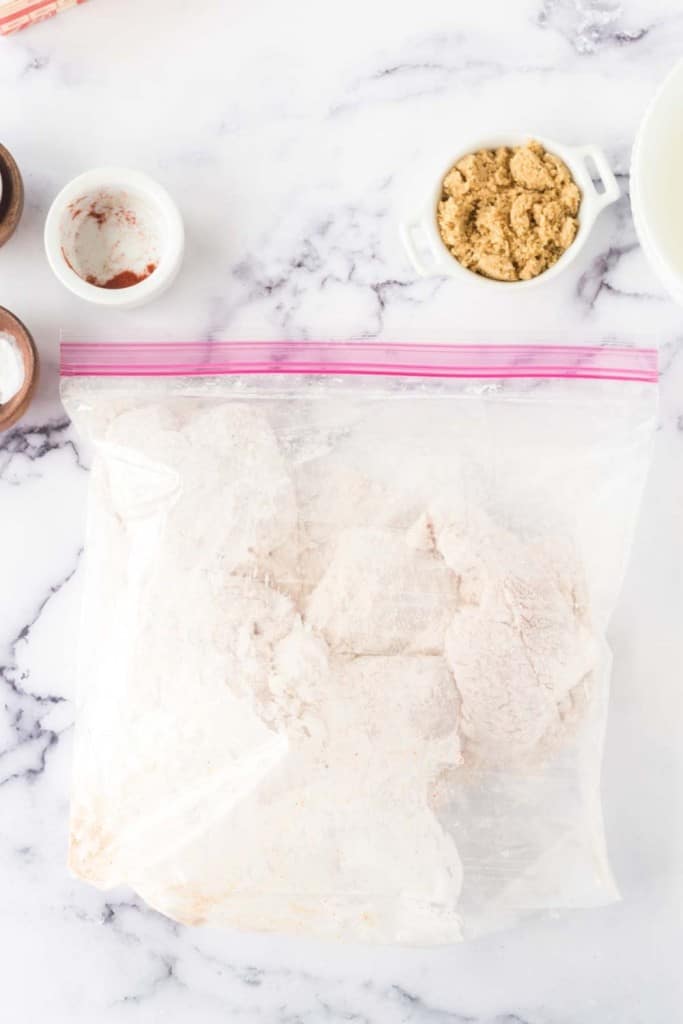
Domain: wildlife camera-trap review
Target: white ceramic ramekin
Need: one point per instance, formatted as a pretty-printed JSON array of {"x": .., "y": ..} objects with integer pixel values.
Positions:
[
  {"x": 144, "y": 230},
  {"x": 656, "y": 176},
  {"x": 430, "y": 255}
]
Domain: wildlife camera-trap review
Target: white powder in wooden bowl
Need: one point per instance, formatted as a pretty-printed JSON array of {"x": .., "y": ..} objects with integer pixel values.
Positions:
[{"x": 12, "y": 370}]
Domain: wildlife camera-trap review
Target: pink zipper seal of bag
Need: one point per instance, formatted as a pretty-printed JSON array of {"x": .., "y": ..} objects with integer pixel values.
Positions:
[
  {"x": 476, "y": 362},
  {"x": 18, "y": 14}
]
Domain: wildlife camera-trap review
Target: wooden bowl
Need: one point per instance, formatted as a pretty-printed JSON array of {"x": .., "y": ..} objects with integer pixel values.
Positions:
[
  {"x": 13, "y": 410},
  {"x": 11, "y": 195}
]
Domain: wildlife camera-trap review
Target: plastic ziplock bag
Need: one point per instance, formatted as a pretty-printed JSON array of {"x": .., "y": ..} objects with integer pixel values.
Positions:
[{"x": 343, "y": 666}]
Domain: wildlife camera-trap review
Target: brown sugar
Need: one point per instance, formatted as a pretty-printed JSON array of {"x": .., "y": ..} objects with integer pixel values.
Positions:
[{"x": 509, "y": 213}]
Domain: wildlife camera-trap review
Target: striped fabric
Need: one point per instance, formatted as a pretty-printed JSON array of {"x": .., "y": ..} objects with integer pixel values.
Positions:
[{"x": 19, "y": 13}]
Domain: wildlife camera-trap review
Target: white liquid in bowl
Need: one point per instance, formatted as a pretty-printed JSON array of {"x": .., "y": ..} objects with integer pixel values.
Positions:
[{"x": 657, "y": 183}]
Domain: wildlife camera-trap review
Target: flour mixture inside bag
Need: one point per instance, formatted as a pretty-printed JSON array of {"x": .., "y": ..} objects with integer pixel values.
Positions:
[{"x": 343, "y": 666}]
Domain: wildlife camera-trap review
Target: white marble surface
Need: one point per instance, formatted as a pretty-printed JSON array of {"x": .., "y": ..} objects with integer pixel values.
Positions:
[{"x": 293, "y": 136}]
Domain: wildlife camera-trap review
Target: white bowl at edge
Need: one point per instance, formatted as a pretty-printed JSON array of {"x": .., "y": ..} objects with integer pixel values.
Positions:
[
  {"x": 656, "y": 176},
  {"x": 428, "y": 252}
]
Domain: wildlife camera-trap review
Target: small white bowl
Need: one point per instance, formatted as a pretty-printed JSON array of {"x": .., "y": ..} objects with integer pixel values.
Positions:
[
  {"x": 111, "y": 222},
  {"x": 431, "y": 256},
  {"x": 656, "y": 176}
]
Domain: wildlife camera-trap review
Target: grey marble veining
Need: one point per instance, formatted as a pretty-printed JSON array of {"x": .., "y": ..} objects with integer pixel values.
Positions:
[{"x": 295, "y": 137}]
